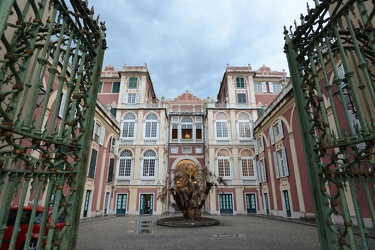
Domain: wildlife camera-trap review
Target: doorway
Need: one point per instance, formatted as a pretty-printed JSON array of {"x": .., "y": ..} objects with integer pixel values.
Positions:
[
  {"x": 287, "y": 203},
  {"x": 251, "y": 206},
  {"x": 121, "y": 204},
  {"x": 266, "y": 204},
  {"x": 226, "y": 204},
  {"x": 87, "y": 202},
  {"x": 146, "y": 204}
]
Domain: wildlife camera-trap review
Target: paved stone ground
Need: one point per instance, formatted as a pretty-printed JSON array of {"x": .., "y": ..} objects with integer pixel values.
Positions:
[{"x": 234, "y": 232}]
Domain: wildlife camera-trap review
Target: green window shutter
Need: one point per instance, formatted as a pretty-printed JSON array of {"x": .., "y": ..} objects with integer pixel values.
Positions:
[
  {"x": 115, "y": 87},
  {"x": 94, "y": 154},
  {"x": 110, "y": 170},
  {"x": 133, "y": 82},
  {"x": 240, "y": 82}
]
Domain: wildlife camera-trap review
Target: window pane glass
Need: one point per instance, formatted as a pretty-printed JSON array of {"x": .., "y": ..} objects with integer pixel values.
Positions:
[
  {"x": 115, "y": 87},
  {"x": 133, "y": 83}
]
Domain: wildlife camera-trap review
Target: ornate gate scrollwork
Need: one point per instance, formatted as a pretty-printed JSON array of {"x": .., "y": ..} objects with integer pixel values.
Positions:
[{"x": 51, "y": 54}]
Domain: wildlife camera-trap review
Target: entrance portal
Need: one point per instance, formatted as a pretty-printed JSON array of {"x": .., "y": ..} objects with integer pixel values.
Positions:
[{"x": 146, "y": 204}]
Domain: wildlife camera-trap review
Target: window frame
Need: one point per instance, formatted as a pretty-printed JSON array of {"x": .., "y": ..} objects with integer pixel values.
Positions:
[
  {"x": 115, "y": 87},
  {"x": 240, "y": 84},
  {"x": 130, "y": 82}
]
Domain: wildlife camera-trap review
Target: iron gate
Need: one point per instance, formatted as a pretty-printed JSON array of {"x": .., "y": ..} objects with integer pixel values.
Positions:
[
  {"x": 51, "y": 54},
  {"x": 331, "y": 60}
]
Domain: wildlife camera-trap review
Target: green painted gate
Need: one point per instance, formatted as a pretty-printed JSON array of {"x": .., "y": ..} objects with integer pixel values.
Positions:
[
  {"x": 331, "y": 60},
  {"x": 51, "y": 54}
]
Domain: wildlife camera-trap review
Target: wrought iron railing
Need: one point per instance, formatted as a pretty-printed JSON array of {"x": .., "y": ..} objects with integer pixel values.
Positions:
[
  {"x": 51, "y": 54},
  {"x": 331, "y": 60}
]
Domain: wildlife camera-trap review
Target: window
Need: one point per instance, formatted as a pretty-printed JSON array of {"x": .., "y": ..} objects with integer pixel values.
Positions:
[
  {"x": 240, "y": 82},
  {"x": 186, "y": 150},
  {"x": 241, "y": 98},
  {"x": 198, "y": 150},
  {"x": 198, "y": 131},
  {"x": 257, "y": 87},
  {"x": 244, "y": 126},
  {"x": 62, "y": 104},
  {"x": 174, "y": 150},
  {"x": 100, "y": 89},
  {"x": 276, "y": 87},
  {"x": 128, "y": 123},
  {"x": 98, "y": 133},
  {"x": 247, "y": 163},
  {"x": 130, "y": 98},
  {"x": 110, "y": 170},
  {"x": 264, "y": 86},
  {"x": 151, "y": 126},
  {"x": 115, "y": 87},
  {"x": 175, "y": 131},
  {"x": 94, "y": 155},
  {"x": 125, "y": 163},
  {"x": 149, "y": 163},
  {"x": 113, "y": 111},
  {"x": 281, "y": 164},
  {"x": 276, "y": 132},
  {"x": 187, "y": 128},
  {"x": 133, "y": 83},
  {"x": 262, "y": 175},
  {"x": 260, "y": 144},
  {"x": 113, "y": 146},
  {"x": 221, "y": 125},
  {"x": 223, "y": 163}
]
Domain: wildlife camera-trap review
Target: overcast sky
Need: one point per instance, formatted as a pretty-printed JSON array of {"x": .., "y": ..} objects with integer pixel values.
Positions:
[{"x": 188, "y": 43}]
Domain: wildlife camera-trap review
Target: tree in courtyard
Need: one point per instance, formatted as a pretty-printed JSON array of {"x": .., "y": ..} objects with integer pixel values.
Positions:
[{"x": 190, "y": 187}]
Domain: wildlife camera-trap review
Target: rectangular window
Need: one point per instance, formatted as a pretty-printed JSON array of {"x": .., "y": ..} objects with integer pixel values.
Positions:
[
  {"x": 198, "y": 131},
  {"x": 221, "y": 129},
  {"x": 125, "y": 167},
  {"x": 240, "y": 82},
  {"x": 133, "y": 82},
  {"x": 241, "y": 98},
  {"x": 257, "y": 87},
  {"x": 244, "y": 129},
  {"x": 186, "y": 150},
  {"x": 128, "y": 129},
  {"x": 174, "y": 150},
  {"x": 116, "y": 87},
  {"x": 186, "y": 131},
  {"x": 110, "y": 169},
  {"x": 264, "y": 87},
  {"x": 150, "y": 130},
  {"x": 148, "y": 167},
  {"x": 198, "y": 150},
  {"x": 132, "y": 98},
  {"x": 223, "y": 167},
  {"x": 281, "y": 164},
  {"x": 174, "y": 131},
  {"x": 94, "y": 154},
  {"x": 247, "y": 167},
  {"x": 113, "y": 111},
  {"x": 100, "y": 87}
]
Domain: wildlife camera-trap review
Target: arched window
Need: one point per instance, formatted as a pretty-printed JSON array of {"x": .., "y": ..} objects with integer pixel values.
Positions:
[
  {"x": 223, "y": 163},
  {"x": 125, "y": 163},
  {"x": 149, "y": 163},
  {"x": 151, "y": 126},
  {"x": 221, "y": 125},
  {"x": 128, "y": 126},
  {"x": 245, "y": 126},
  {"x": 247, "y": 163}
]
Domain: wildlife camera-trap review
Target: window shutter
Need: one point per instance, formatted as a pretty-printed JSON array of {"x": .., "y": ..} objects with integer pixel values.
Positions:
[
  {"x": 264, "y": 170},
  {"x": 125, "y": 98},
  {"x": 276, "y": 165},
  {"x": 270, "y": 85},
  {"x": 262, "y": 142},
  {"x": 62, "y": 105},
  {"x": 258, "y": 170},
  {"x": 137, "y": 97},
  {"x": 283, "y": 152},
  {"x": 271, "y": 135},
  {"x": 264, "y": 87},
  {"x": 94, "y": 130},
  {"x": 110, "y": 169},
  {"x": 281, "y": 128},
  {"x": 102, "y": 134},
  {"x": 116, "y": 147},
  {"x": 256, "y": 147}
]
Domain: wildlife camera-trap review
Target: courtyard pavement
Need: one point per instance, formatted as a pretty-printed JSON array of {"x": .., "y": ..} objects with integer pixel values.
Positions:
[{"x": 235, "y": 232}]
